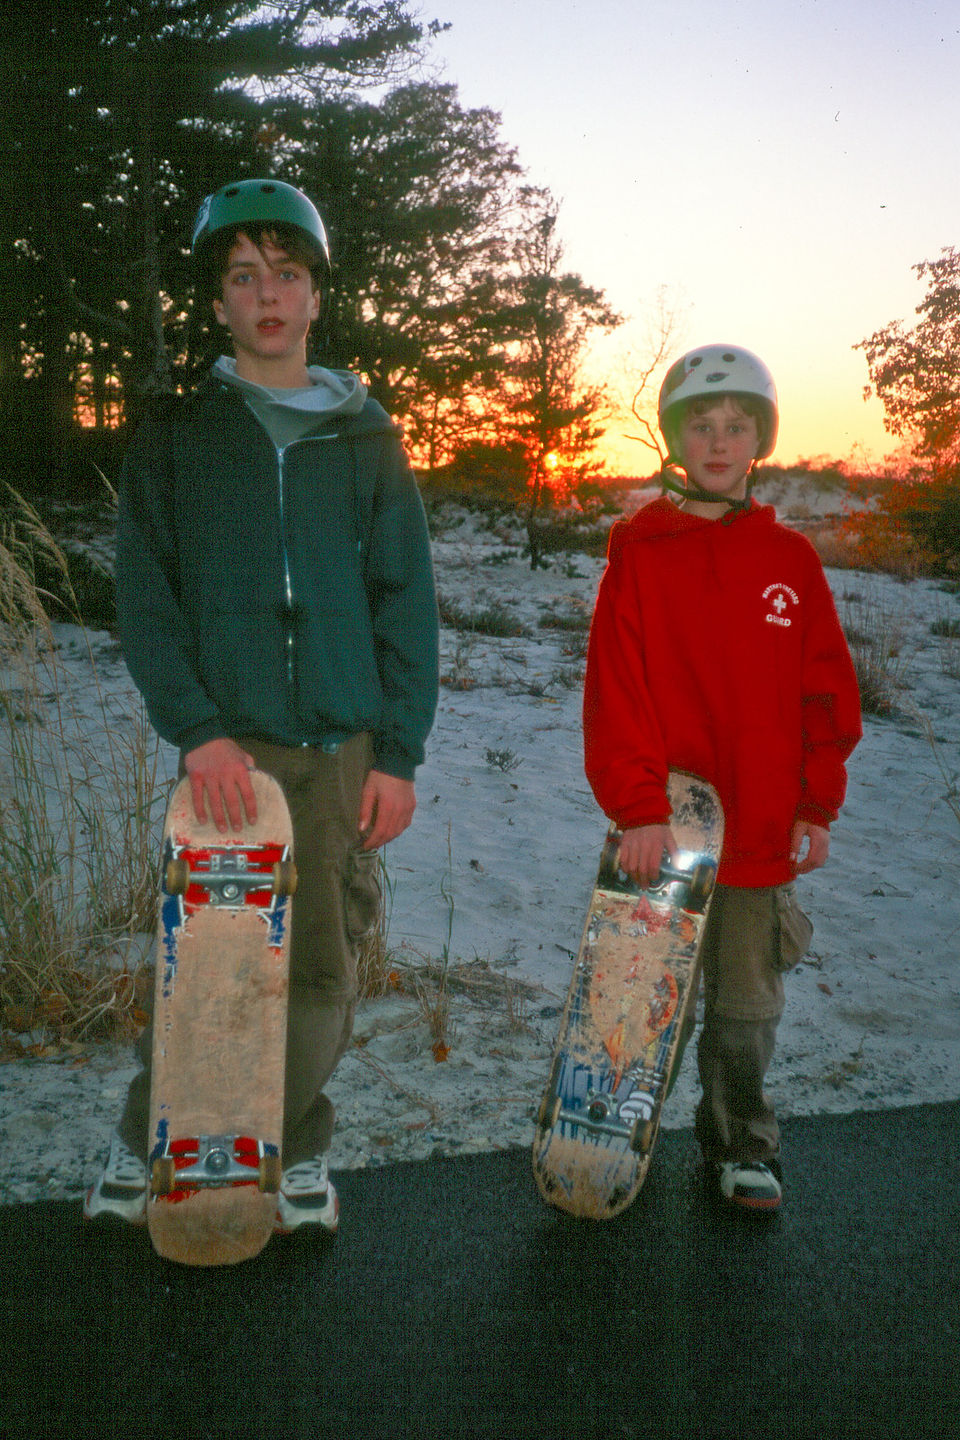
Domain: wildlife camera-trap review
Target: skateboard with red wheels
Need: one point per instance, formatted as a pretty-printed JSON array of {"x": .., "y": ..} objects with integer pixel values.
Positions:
[
  {"x": 633, "y": 985},
  {"x": 220, "y": 1031}
]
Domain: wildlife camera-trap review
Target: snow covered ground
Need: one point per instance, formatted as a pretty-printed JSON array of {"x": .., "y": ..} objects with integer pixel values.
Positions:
[{"x": 496, "y": 871}]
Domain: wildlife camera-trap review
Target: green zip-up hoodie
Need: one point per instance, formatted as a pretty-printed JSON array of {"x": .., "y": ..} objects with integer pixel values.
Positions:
[{"x": 286, "y": 594}]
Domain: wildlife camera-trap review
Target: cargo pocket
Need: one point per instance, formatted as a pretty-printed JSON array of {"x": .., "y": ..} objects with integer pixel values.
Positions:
[
  {"x": 794, "y": 929},
  {"x": 361, "y": 893}
]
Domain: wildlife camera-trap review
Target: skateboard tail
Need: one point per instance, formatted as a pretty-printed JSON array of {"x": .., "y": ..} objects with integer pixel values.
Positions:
[
  {"x": 208, "y": 1229},
  {"x": 590, "y": 1194}
]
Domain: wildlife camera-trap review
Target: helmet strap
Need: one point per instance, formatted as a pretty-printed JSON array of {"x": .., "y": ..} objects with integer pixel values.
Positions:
[{"x": 669, "y": 481}]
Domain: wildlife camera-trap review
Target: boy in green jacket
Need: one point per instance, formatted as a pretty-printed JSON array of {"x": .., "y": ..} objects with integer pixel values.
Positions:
[{"x": 277, "y": 610}]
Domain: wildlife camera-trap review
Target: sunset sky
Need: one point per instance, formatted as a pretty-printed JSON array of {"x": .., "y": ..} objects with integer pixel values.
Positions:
[{"x": 776, "y": 167}]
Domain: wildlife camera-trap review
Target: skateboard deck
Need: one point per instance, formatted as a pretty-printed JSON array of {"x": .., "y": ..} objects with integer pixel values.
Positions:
[
  {"x": 634, "y": 981},
  {"x": 220, "y": 1030}
]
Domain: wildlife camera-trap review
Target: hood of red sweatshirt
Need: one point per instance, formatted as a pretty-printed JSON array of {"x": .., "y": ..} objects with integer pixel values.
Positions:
[{"x": 662, "y": 518}]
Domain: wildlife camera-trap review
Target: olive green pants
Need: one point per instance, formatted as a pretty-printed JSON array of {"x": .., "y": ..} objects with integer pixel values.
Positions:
[
  {"x": 336, "y": 904},
  {"x": 751, "y": 938}
]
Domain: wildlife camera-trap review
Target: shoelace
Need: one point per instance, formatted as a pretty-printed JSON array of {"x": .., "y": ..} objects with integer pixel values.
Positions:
[
  {"x": 126, "y": 1168},
  {"x": 309, "y": 1175}
]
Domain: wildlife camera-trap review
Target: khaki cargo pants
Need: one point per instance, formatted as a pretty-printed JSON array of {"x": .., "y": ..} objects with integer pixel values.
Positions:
[
  {"x": 752, "y": 938},
  {"x": 336, "y": 904}
]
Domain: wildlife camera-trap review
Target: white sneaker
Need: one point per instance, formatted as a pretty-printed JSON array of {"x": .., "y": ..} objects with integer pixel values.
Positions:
[
  {"x": 307, "y": 1198},
  {"x": 121, "y": 1189},
  {"x": 752, "y": 1184}
]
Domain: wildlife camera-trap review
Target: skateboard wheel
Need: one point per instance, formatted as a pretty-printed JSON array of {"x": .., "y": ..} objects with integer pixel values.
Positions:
[
  {"x": 609, "y": 873},
  {"x": 269, "y": 1174},
  {"x": 163, "y": 1172},
  {"x": 284, "y": 878},
  {"x": 549, "y": 1112},
  {"x": 637, "y": 1131},
  {"x": 701, "y": 884},
  {"x": 176, "y": 880}
]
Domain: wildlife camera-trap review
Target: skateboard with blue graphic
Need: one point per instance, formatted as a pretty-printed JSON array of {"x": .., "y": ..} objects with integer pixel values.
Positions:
[
  {"x": 623, "y": 1027},
  {"x": 220, "y": 1031}
]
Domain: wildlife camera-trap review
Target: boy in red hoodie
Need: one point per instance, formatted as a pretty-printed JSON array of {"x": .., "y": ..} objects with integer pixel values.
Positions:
[{"x": 716, "y": 648}]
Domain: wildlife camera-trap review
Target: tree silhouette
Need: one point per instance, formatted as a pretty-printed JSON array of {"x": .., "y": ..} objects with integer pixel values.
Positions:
[
  {"x": 117, "y": 118},
  {"x": 448, "y": 288},
  {"x": 553, "y": 316},
  {"x": 420, "y": 197},
  {"x": 914, "y": 371}
]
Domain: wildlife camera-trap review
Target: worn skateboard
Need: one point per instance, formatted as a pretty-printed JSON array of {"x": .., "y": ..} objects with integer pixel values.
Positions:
[
  {"x": 220, "y": 1029},
  {"x": 634, "y": 981}
]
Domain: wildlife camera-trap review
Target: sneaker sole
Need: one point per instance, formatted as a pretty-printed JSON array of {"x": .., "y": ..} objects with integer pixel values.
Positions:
[
  {"x": 106, "y": 1211},
  {"x": 755, "y": 1206},
  {"x": 753, "y": 1202},
  {"x": 328, "y": 1226}
]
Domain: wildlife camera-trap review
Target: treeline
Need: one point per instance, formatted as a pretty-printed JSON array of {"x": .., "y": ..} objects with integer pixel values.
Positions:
[{"x": 449, "y": 293}]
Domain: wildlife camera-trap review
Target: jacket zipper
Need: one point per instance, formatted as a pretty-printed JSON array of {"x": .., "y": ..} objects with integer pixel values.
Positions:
[
  {"x": 289, "y": 599},
  {"x": 285, "y": 563}
]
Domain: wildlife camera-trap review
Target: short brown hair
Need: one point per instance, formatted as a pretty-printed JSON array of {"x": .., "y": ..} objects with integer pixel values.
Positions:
[
  {"x": 700, "y": 404},
  {"x": 749, "y": 405},
  {"x": 290, "y": 238}
]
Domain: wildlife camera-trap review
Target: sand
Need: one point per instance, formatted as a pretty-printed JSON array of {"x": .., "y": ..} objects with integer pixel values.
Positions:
[{"x": 491, "y": 883}]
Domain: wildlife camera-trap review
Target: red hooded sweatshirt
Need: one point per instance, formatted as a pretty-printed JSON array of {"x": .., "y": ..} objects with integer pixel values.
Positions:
[{"x": 716, "y": 648}]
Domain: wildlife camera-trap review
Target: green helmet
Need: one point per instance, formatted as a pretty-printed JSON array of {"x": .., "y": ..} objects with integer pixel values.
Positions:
[
  {"x": 718, "y": 370},
  {"x": 261, "y": 202}
]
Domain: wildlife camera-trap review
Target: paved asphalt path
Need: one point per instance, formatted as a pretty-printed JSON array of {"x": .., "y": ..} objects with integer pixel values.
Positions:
[{"x": 455, "y": 1304}]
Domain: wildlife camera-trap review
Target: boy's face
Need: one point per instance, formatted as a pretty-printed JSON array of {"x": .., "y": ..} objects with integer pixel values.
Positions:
[
  {"x": 718, "y": 446},
  {"x": 268, "y": 303}
]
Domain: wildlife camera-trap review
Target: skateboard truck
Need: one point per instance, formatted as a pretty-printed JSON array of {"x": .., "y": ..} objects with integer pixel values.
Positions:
[
  {"x": 214, "y": 1161},
  {"x": 694, "y": 870},
  {"x": 228, "y": 876},
  {"x": 698, "y": 874},
  {"x": 601, "y": 1115},
  {"x": 603, "y": 1111},
  {"x": 600, "y": 1106}
]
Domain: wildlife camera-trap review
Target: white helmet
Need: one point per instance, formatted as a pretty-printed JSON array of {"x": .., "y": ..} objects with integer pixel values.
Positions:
[{"x": 718, "y": 370}]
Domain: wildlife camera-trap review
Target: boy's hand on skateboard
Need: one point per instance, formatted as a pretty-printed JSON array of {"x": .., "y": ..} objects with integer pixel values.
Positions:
[
  {"x": 641, "y": 852},
  {"x": 818, "y": 846},
  {"x": 386, "y": 808},
  {"x": 219, "y": 774}
]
